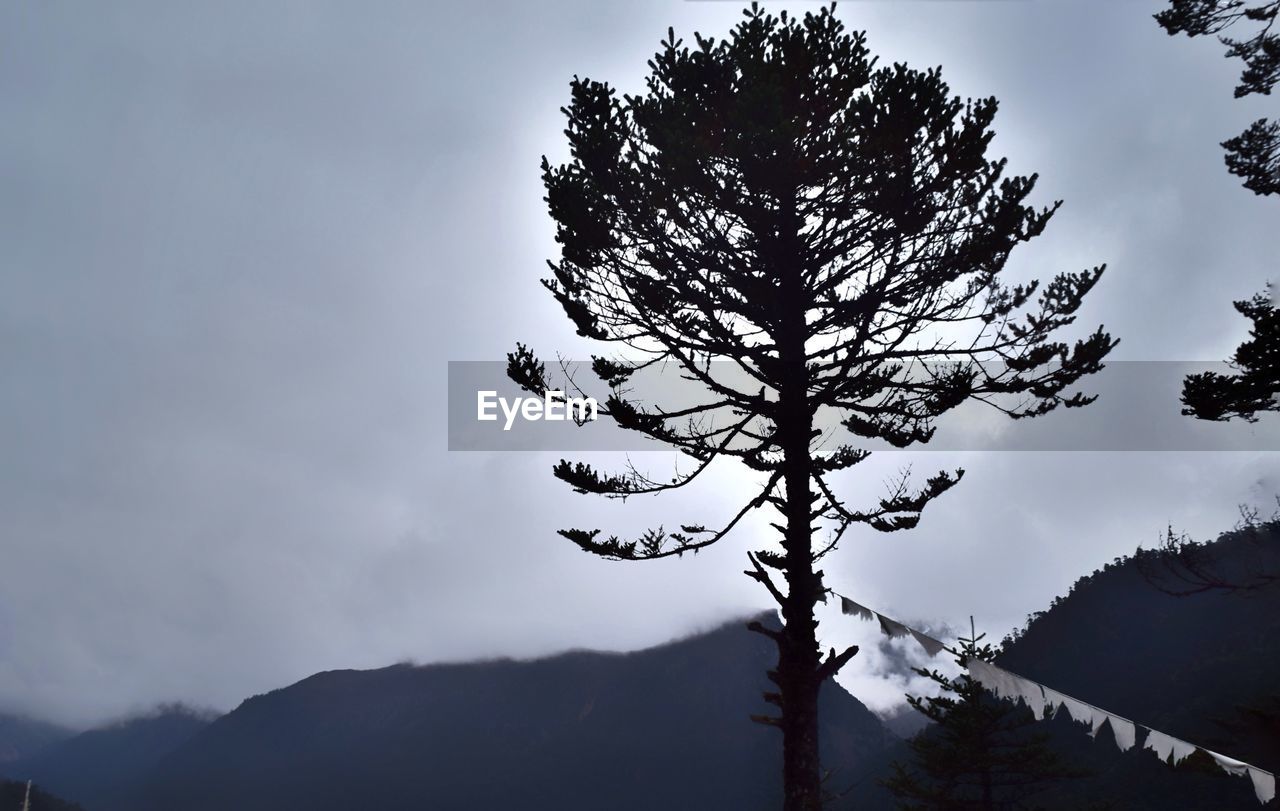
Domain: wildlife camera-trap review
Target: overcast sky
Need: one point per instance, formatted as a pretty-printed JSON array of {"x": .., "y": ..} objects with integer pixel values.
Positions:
[{"x": 240, "y": 242}]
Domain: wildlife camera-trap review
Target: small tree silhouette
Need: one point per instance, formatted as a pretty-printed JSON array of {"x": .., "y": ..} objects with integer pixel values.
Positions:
[
  {"x": 834, "y": 232},
  {"x": 1254, "y": 387},
  {"x": 981, "y": 754}
]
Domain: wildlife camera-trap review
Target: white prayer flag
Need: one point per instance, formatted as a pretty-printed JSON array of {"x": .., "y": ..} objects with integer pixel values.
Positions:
[
  {"x": 1124, "y": 731},
  {"x": 1015, "y": 688},
  {"x": 1080, "y": 712},
  {"x": 1053, "y": 699},
  {"x": 977, "y": 670},
  {"x": 991, "y": 677},
  {"x": 1229, "y": 765},
  {"x": 850, "y": 607},
  {"x": 1159, "y": 743},
  {"x": 1164, "y": 745},
  {"x": 1006, "y": 685},
  {"x": 1264, "y": 784},
  {"x": 1099, "y": 718},
  {"x": 931, "y": 646},
  {"x": 892, "y": 629},
  {"x": 983, "y": 674},
  {"x": 1181, "y": 751},
  {"x": 1032, "y": 695}
]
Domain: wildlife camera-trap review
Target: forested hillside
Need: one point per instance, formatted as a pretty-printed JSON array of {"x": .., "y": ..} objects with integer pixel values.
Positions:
[{"x": 1185, "y": 641}]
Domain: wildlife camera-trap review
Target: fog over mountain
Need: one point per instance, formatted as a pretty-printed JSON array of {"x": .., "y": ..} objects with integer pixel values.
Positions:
[
  {"x": 668, "y": 726},
  {"x": 581, "y": 730}
]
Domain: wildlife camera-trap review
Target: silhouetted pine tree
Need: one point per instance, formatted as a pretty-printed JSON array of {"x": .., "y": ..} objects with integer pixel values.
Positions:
[
  {"x": 833, "y": 231},
  {"x": 981, "y": 753},
  {"x": 1254, "y": 154}
]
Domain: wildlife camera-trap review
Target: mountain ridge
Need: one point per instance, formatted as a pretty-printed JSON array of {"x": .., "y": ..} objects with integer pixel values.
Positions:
[{"x": 663, "y": 726}]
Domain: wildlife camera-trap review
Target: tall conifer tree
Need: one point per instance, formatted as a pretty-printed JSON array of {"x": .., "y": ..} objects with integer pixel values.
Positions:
[{"x": 834, "y": 231}]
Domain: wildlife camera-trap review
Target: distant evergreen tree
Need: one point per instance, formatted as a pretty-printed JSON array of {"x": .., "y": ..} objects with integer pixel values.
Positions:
[{"x": 981, "y": 753}]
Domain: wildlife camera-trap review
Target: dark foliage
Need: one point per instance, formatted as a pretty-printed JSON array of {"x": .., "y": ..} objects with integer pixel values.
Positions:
[
  {"x": 1255, "y": 385},
  {"x": 981, "y": 753},
  {"x": 834, "y": 231},
  {"x": 1254, "y": 155},
  {"x": 1200, "y": 667},
  {"x": 1182, "y": 566}
]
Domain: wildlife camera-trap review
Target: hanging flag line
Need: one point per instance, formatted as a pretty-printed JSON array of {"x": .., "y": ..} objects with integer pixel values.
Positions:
[{"x": 1038, "y": 698}]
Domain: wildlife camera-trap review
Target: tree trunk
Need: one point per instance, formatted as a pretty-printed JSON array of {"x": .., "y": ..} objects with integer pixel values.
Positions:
[
  {"x": 798, "y": 683},
  {"x": 799, "y": 662}
]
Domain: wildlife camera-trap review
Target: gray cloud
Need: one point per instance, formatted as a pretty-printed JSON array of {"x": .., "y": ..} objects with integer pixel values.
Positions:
[{"x": 238, "y": 246}]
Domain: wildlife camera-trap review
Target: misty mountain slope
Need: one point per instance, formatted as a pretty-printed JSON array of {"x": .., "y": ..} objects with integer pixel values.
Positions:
[
  {"x": 1176, "y": 663},
  {"x": 1179, "y": 664},
  {"x": 23, "y": 737},
  {"x": 103, "y": 767},
  {"x": 1182, "y": 665},
  {"x": 661, "y": 728}
]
